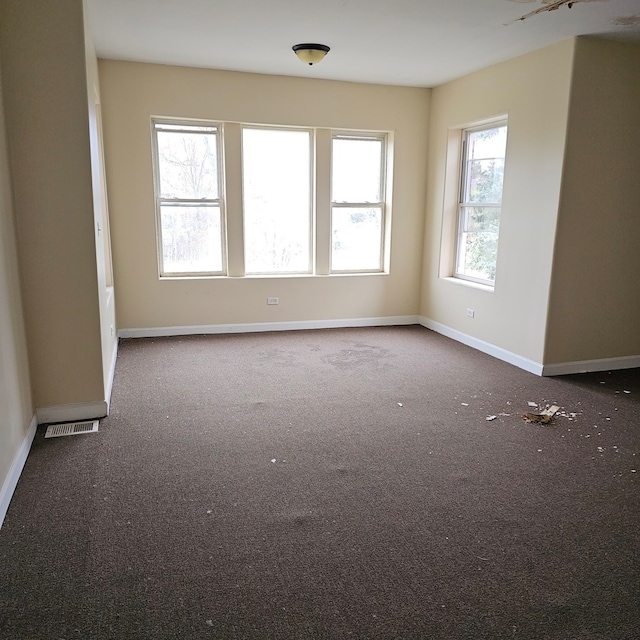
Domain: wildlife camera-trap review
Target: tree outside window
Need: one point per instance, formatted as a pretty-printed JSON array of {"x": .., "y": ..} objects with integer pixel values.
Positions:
[
  {"x": 188, "y": 199},
  {"x": 482, "y": 177}
]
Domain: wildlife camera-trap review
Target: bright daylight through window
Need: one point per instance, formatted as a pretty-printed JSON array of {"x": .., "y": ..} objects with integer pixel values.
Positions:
[
  {"x": 284, "y": 174},
  {"x": 482, "y": 174},
  {"x": 276, "y": 178},
  {"x": 188, "y": 201},
  {"x": 357, "y": 207}
]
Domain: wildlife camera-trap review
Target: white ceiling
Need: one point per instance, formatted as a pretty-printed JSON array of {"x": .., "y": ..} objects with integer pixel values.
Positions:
[{"x": 403, "y": 42}]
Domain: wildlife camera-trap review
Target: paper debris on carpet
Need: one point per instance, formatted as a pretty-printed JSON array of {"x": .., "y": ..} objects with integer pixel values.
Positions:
[
  {"x": 532, "y": 404},
  {"x": 489, "y": 418},
  {"x": 545, "y": 417}
]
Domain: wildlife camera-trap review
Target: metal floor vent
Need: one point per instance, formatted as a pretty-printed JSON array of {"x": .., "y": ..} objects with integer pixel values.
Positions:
[{"x": 71, "y": 428}]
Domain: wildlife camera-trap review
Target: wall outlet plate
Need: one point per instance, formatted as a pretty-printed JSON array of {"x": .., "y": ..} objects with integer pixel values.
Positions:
[{"x": 273, "y": 301}]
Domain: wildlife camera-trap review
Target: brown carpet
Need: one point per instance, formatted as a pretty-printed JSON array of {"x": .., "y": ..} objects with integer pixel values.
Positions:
[{"x": 331, "y": 484}]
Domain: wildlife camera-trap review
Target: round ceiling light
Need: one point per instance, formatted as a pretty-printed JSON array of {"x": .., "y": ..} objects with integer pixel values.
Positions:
[{"x": 310, "y": 52}]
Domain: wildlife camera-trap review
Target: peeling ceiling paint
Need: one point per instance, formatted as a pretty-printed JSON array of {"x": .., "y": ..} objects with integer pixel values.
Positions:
[
  {"x": 626, "y": 21},
  {"x": 550, "y": 5}
]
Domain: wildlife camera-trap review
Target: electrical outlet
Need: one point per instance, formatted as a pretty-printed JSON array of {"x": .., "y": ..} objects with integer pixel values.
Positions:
[
  {"x": 471, "y": 313},
  {"x": 273, "y": 301}
]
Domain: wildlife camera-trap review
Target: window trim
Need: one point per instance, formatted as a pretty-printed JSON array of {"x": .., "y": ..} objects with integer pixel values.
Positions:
[
  {"x": 189, "y": 126},
  {"x": 462, "y": 189},
  {"x": 383, "y": 137}
]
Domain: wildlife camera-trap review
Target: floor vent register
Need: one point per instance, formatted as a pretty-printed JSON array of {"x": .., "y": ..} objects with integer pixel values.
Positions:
[{"x": 71, "y": 428}]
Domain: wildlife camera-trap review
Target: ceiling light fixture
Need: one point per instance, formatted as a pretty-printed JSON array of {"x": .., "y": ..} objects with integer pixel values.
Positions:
[{"x": 310, "y": 53}]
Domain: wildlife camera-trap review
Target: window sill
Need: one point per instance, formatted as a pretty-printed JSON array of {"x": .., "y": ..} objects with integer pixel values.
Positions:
[
  {"x": 469, "y": 283},
  {"x": 276, "y": 276}
]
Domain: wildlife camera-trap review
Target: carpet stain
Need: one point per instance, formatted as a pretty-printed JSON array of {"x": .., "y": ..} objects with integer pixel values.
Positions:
[
  {"x": 296, "y": 517},
  {"x": 340, "y": 469},
  {"x": 278, "y": 357},
  {"x": 358, "y": 355}
]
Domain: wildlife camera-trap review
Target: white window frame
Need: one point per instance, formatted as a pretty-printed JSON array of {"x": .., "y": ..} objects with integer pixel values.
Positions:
[
  {"x": 383, "y": 138},
  {"x": 230, "y": 199},
  {"x": 462, "y": 200},
  {"x": 190, "y": 126}
]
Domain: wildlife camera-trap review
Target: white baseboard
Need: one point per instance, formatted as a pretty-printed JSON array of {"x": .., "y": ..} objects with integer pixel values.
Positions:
[
  {"x": 585, "y": 366},
  {"x": 267, "y": 326},
  {"x": 11, "y": 481},
  {"x": 485, "y": 347},
  {"x": 72, "y": 412},
  {"x": 556, "y": 369}
]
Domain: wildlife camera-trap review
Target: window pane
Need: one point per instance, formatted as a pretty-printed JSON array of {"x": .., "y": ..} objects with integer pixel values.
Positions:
[
  {"x": 485, "y": 180},
  {"x": 187, "y": 165},
  {"x": 356, "y": 239},
  {"x": 478, "y": 242},
  {"x": 479, "y": 226},
  {"x": 485, "y": 165},
  {"x": 487, "y": 143},
  {"x": 191, "y": 239},
  {"x": 356, "y": 166},
  {"x": 277, "y": 200}
]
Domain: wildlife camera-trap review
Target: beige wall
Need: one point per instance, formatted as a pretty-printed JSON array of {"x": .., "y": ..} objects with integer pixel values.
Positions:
[
  {"x": 594, "y": 309},
  {"x": 133, "y": 92},
  {"x": 533, "y": 91},
  {"x": 45, "y": 88},
  {"x": 16, "y": 409}
]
